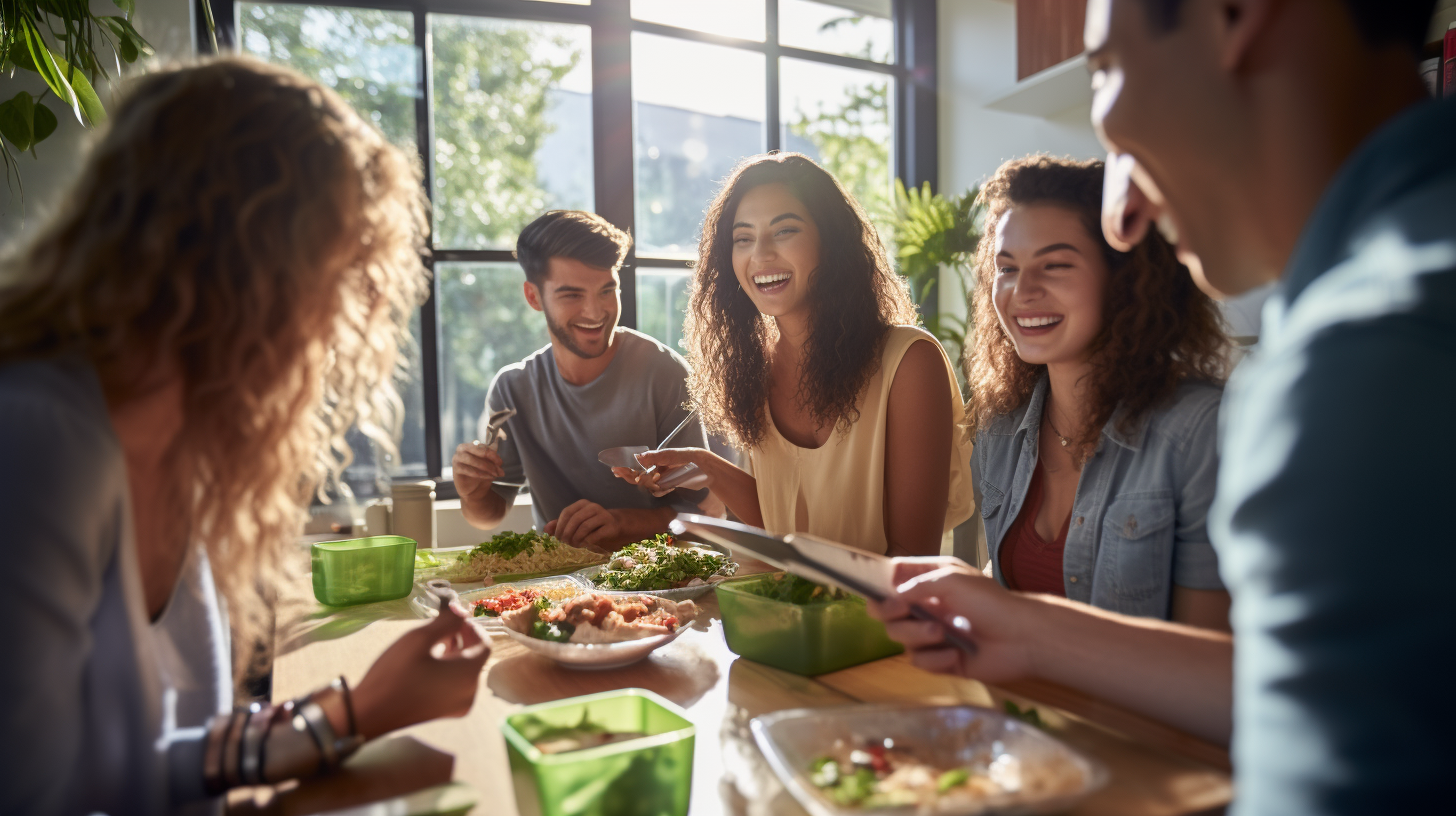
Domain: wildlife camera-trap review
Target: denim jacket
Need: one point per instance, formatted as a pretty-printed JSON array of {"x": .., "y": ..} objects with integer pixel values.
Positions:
[{"x": 1138, "y": 519}]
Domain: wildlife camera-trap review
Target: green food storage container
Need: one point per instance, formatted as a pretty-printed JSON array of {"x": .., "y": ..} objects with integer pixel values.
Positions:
[
  {"x": 648, "y": 776},
  {"x": 808, "y": 639},
  {"x": 363, "y": 570}
]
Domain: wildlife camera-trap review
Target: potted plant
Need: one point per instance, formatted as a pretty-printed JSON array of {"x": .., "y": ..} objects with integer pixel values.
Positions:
[{"x": 933, "y": 234}]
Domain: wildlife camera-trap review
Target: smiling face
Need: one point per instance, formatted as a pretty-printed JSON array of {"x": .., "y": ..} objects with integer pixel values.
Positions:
[
  {"x": 1049, "y": 283},
  {"x": 775, "y": 249},
  {"x": 581, "y": 304}
]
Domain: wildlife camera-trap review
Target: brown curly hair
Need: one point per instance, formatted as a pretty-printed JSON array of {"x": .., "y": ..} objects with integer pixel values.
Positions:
[
  {"x": 240, "y": 224},
  {"x": 1158, "y": 329},
  {"x": 856, "y": 298}
]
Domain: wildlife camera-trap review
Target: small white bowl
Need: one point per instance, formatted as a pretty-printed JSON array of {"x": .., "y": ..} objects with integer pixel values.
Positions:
[{"x": 594, "y": 656}]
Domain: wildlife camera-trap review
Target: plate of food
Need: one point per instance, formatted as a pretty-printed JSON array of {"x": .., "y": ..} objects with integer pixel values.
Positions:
[
  {"x": 663, "y": 566},
  {"x": 487, "y": 604},
  {"x": 506, "y": 556},
  {"x": 598, "y": 630},
  {"x": 947, "y": 760}
]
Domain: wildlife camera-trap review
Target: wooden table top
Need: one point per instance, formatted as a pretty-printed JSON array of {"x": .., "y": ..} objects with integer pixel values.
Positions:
[{"x": 1154, "y": 770}]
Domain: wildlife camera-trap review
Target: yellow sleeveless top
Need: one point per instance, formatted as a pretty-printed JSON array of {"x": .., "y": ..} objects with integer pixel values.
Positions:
[{"x": 837, "y": 491}]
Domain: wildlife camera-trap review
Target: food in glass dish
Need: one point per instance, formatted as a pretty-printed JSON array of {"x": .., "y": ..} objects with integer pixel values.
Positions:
[
  {"x": 790, "y": 588},
  {"x": 512, "y": 598},
  {"x": 518, "y": 553},
  {"x": 879, "y": 774},
  {"x": 597, "y": 618},
  {"x": 561, "y": 739},
  {"x": 659, "y": 563}
]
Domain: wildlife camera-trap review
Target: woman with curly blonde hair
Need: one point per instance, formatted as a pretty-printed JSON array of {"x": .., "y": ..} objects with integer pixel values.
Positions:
[
  {"x": 223, "y": 293},
  {"x": 1095, "y": 378},
  {"x": 806, "y": 354}
]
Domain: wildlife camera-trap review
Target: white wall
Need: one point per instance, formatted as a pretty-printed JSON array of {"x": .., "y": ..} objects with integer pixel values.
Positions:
[
  {"x": 977, "y": 47},
  {"x": 167, "y": 25}
]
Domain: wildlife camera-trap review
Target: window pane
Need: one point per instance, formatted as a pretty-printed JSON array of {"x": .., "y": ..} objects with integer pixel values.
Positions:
[
  {"x": 486, "y": 324},
  {"x": 854, "y": 28},
  {"x": 512, "y": 126},
  {"x": 842, "y": 118},
  {"x": 699, "y": 110},
  {"x": 367, "y": 56},
  {"x": 730, "y": 18},
  {"x": 662, "y": 304}
]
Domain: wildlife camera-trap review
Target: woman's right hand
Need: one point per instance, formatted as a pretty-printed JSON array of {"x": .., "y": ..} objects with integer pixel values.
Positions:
[
  {"x": 665, "y": 461},
  {"x": 432, "y": 671},
  {"x": 992, "y": 616}
]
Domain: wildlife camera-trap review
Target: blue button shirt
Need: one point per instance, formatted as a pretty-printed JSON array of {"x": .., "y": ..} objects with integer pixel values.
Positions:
[
  {"x": 1138, "y": 519},
  {"x": 1332, "y": 518}
]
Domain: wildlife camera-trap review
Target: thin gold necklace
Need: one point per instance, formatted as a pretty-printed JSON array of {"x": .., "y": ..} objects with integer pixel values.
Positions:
[{"x": 1064, "y": 440}]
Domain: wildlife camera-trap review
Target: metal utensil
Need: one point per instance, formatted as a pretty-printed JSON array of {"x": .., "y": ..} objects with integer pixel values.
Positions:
[
  {"x": 626, "y": 457},
  {"x": 495, "y": 428}
]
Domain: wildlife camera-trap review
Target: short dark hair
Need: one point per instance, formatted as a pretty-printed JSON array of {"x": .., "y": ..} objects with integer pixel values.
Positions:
[
  {"x": 580, "y": 236},
  {"x": 1380, "y": 22}
]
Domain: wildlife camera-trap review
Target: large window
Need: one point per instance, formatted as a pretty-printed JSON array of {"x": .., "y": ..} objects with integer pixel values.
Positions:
[{"x": 635, "y": 109}]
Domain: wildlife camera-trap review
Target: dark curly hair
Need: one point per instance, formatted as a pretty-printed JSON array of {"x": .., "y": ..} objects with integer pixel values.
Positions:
[
  {"x": 1158, "y": 329},
  {"x": 856, "y": 298}
]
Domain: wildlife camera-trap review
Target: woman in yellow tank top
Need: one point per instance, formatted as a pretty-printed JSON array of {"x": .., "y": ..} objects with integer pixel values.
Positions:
[{"x": 805, "y": 354}]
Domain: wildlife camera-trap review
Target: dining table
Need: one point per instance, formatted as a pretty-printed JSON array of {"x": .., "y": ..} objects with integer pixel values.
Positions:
[{"x": 448, "y": 765}]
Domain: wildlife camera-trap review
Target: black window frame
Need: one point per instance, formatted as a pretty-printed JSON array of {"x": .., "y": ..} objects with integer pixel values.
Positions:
[{"x": 915, "y": 156}]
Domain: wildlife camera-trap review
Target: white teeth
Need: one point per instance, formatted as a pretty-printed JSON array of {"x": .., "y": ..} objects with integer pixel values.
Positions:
[
  {"x": 1033, "y": 322},
  {"x": 591, "y": 326},
  {"x": 765, "y": 280}
]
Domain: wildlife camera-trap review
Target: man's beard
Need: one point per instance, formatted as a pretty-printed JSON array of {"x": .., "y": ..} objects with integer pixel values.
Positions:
[{"x": 562, "y": 334}]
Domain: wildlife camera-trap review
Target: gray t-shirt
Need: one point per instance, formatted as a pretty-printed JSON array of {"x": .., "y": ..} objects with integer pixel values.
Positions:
[{"x": 553, "y": 440}]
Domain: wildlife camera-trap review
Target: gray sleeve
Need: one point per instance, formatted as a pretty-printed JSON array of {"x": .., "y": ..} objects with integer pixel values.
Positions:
[
  {"x": 59, "y": 496},
  {"x": 515, "y": 472},
  {"x": 1195, "y": 564}
]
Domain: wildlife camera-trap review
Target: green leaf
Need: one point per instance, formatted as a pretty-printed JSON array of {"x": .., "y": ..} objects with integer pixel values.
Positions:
[
  {"x": 127, "y": 6},
  {"x": 46, "y": 65},
  {"x": 44, "y": 124},
  {"x": 128, "y": 50},
  {"x": 85, "y": 95},
  {"x": 15, "y": 120}
]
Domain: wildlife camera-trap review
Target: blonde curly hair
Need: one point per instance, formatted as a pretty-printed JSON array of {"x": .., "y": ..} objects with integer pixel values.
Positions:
[{"x": 237, "y": 224}]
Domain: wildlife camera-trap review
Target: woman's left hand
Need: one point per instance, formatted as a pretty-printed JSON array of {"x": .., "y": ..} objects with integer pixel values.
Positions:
[{"x": 663, "y": 462}]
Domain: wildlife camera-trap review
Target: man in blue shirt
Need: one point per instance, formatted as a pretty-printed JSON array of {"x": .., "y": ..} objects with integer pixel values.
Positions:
[{"x": 1284, "y": 141}]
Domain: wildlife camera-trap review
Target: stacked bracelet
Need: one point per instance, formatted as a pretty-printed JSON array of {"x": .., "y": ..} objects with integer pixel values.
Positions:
[{"x": 297, "y": 736}]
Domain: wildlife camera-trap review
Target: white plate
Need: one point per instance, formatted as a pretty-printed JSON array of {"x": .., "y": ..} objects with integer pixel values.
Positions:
[
  {"x": 594, "y": 656},
  {"x": 946, "y": 735}
]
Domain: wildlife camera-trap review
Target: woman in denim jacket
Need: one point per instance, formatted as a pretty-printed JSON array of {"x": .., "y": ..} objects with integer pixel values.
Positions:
[{"x": 1095, "y": 377}]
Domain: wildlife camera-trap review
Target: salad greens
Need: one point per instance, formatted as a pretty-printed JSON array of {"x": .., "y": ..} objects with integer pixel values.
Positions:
[
  {"x": 792, "y": 589},
  {"x": 1028, "y": 715},
  {"x": 556, "y": 632},
  {"x": 659, "y": 564}
]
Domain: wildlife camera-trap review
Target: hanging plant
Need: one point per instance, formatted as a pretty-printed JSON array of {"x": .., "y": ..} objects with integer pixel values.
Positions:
[{"x": 72, "y": 50}]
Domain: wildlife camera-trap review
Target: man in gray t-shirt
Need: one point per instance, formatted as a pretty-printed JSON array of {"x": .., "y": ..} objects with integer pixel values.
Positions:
[{"x": 596, "y": 386}]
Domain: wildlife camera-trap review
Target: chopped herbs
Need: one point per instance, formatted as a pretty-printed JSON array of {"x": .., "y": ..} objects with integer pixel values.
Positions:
[{"x": 509, "y": 545}]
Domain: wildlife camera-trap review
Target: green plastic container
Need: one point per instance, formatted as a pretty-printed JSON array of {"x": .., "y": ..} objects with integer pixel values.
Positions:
[
  {"x": 651, "y": 776},
  {"x": 806, "y": 639},
  {"x": 363, "y": 570}
]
